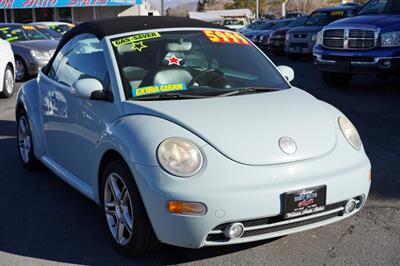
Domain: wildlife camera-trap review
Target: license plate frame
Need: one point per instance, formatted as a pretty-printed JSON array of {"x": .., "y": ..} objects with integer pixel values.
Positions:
[{"x": 304, "y": 201}]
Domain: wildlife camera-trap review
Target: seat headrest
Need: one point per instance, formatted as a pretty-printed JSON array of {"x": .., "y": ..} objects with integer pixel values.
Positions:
[{"x": 178, "y": 47}]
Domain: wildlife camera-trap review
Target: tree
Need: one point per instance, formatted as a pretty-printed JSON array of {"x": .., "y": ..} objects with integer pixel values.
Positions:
[{"x": 248, "y": 4}]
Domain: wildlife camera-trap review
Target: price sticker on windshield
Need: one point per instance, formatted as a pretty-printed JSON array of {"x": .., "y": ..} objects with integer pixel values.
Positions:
[
  {"x": 225, "y": 37},
  {"x": 28, "y": 27}
]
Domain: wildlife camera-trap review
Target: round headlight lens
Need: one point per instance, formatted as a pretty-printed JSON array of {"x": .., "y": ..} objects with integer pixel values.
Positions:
[
  {"x": 350, "y": 132},
  {"x": 179, "y": 157}
]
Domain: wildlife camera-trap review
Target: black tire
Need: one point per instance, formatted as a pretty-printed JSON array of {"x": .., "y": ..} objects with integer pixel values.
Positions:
[
  {"x": 22, "y": 74},
  {"x": 5, "y": 93},
  {"x": 336, "y": 80},
  {"x": 143, "y": 239},
  {"x": 29, "y": 161}
]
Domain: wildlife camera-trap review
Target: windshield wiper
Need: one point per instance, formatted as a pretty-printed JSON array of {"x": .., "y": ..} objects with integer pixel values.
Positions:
[
  {"x": 247, "y": 90},
  {"x": 168, "y": 96}
]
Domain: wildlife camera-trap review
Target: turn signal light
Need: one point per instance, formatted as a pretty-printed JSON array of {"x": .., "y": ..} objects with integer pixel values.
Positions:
[{"x": 188, "y": 208}]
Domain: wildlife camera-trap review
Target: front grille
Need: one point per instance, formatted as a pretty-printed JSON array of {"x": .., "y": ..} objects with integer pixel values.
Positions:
[
  {"x": 275, "y": 219},
  {"x": 361, "y": 44},
  {"x": 359, "y": 39},
  {"x": 334, "y": 43}
]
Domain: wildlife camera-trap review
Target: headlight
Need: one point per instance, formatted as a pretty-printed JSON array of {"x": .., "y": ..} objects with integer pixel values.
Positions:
[
  {"x": 41, "y": 56},
  {"x": 179, "y": 157},
  {"x": 287, "y": 36},
  {"x": 320, "y": 38},
  {"x": 350, "y": 132},
  {"x": 390, "y": 39}
]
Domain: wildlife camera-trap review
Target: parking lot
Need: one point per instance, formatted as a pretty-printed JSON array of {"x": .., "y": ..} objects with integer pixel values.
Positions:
[{"x": 44, "y": 221}]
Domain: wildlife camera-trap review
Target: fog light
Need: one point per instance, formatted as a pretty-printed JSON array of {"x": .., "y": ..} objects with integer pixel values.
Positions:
[
  {"x": 189, "y": 208},
  {"x": 385, "y": 64},
  {"x": 350, "y": 206},
  {"x": 234, "y": 230}
]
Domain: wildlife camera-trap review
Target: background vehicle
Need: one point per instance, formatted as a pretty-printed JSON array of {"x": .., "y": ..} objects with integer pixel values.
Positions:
[
  {"x": 263, "y": 40},
  {"x": 295, "y": 14},
  {"x": 252, "y": 26},
  {"x": 104, "y": 102},
  {"x": 276, "y": 42},
  {"x": 234, "y": 23},
  {"x": 368, "y": 43},
  {"x": 32, "y": 49},
  {"x": 258, "y": 30},
  {"x": 301, "y": 40},
  {"x": 50, "y": 33},
  {"x": 7, "y": 70},
  {"x": 57, "y": 26}
]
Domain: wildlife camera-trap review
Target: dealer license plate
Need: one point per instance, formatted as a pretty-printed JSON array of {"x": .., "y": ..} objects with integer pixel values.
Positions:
[{"x": 305, "y": 201}]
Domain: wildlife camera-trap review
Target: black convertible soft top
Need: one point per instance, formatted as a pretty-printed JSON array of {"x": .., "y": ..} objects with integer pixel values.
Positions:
[{"x": 112, "y": 26}]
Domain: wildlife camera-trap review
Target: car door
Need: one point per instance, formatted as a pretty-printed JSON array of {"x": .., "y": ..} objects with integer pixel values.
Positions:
[{"x": 72, "y": 125}]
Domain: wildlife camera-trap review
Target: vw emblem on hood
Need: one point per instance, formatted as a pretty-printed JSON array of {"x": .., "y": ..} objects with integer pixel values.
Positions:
[{"x": 287, "y": 145}]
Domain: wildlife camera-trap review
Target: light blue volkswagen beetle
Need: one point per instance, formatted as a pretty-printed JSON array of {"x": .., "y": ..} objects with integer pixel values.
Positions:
[{"x": 186, "y": 134}]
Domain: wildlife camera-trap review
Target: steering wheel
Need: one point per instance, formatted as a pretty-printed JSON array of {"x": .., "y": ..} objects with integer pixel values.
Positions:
[{"x": 212, "y": 78}]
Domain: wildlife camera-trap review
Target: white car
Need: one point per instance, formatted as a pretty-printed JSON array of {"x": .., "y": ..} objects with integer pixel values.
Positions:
[{"x": 7, "y": 73}]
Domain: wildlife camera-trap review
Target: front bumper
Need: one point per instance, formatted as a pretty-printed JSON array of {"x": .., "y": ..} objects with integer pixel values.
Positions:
[
  {"x": 302, "y": 46},
  {"x": 235, "y": 192},
  {"x": 377, "y": 61}
]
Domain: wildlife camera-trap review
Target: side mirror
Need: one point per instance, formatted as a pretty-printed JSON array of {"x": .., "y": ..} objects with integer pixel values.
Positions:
[
  {"x": 92, "y": 89},
  {"x": 287, "y": 72}
]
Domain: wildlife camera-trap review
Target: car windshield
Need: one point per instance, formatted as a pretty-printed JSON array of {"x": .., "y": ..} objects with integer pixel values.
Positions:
[
  {"x": 14, "y": 33},
  {"x": 235, "y": 22},
  {"x": 281, "y": 24},
  {"x": 376, "y": 7},
  {"x": 298, "y": 22},
  {"x": 254, "y": 25},
  {"x": 194, "y": 64},
  {"x": 48, "y": 32},
  {"x": 323, "y": 18},
  {"x": 61, "y": 28}
]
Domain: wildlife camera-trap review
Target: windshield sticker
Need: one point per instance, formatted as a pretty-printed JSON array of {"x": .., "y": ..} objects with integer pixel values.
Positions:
[
  {"x": 159, "y": 88},
  {"x": 136, "y": 38},
  {"x": 12, "y": 39},
  {"x": 225, "y": 37},
  {"x": 4, "y": 29},
  {"x": 173, "y": 60},
  {"x": 138, "y": 46},
  {"x": 337, "y": 13},
  {"x": 28, "y": 27}
]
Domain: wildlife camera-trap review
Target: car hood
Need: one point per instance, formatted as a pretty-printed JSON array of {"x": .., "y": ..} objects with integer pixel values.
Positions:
[
  {"x": 281, "y": 31},
  {"x": 39, "y": 45},
  {"x": 373, "y": 21},
  {"x": 247, "y": 128},
  {"x": 306, "y": 29}
]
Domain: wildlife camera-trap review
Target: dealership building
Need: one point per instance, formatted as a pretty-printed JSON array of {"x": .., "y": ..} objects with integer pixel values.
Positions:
[{"x": 26, "y": 11}]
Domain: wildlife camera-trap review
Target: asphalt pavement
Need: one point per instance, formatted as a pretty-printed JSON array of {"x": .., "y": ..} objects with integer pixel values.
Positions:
[{"x": 43, "y": 221}]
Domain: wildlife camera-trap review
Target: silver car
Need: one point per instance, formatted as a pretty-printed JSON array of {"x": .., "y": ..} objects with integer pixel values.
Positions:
[{"x": 32, "y": 49}]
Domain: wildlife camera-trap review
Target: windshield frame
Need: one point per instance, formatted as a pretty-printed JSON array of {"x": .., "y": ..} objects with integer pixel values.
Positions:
[{"x": 118, "y": 66}]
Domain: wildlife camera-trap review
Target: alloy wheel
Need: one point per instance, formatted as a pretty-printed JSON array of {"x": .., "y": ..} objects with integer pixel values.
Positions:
[
  {"x": 9, "y": 81},
  {"x": 20, "y": 70},
  {"x": 118, "y": 209},
  {"x": 24, "y": 139}
]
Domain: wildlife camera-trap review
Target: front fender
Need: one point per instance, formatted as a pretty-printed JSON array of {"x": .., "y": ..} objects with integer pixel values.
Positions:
[
  {"x": 136, "y": 138},
  {"x": 28, "y": 98}
]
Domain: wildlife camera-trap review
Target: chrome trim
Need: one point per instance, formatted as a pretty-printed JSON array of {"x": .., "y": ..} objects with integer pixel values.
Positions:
[
  {"x": 346, "y": 38},
  {"x": 305, "y": 218}
]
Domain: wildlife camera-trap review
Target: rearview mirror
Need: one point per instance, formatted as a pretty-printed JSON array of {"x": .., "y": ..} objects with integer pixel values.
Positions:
[
  {"x": 92, "y": 89},
  {"x": 287, "y": 72}
]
